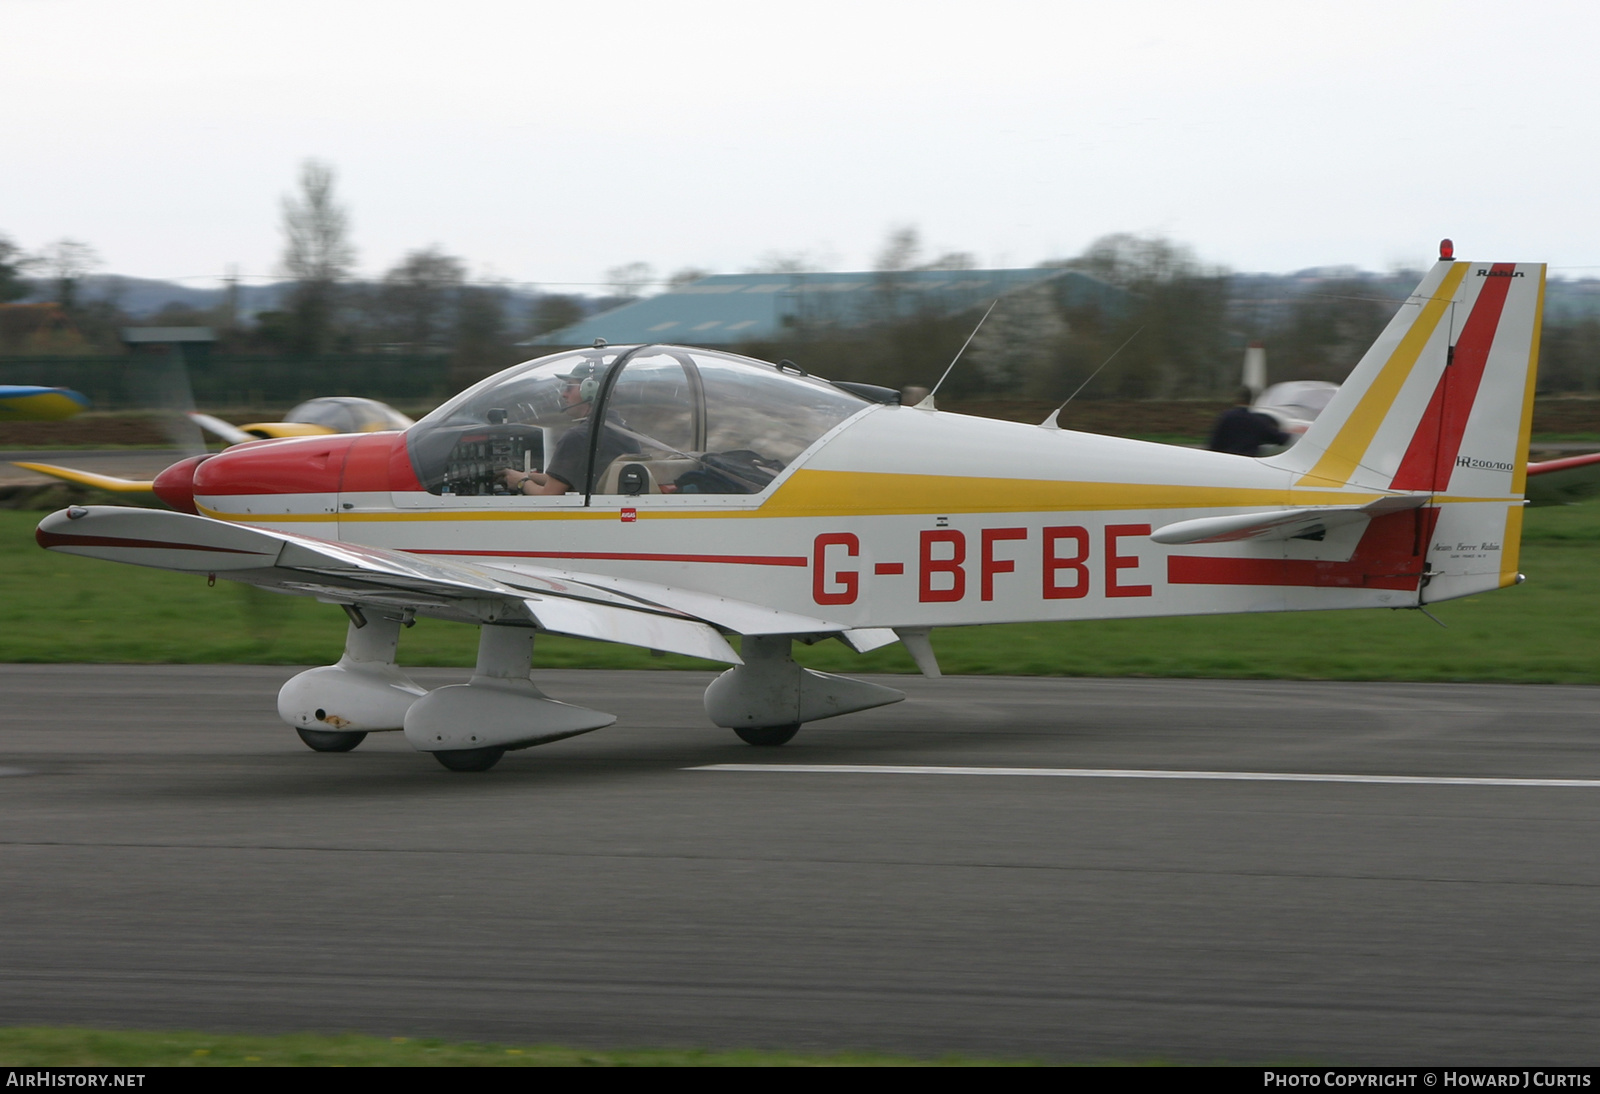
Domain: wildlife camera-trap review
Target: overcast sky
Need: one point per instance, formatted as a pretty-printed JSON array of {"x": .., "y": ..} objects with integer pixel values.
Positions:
[{"x": 547, "y": 142}]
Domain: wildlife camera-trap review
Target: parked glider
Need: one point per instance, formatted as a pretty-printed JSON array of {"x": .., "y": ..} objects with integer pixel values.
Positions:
[
  {"x": 711, "y": 495},
  {"x": 313, "y": 418},
  {"x": 30, "y": 403}
]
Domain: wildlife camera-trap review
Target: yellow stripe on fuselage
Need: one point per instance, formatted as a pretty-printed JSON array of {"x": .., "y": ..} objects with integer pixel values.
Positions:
[
  {"x": 867, "y": 493},
  {"x": 1350, "y": 444}
]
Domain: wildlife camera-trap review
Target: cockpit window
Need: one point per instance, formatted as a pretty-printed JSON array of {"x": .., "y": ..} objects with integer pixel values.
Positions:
[
  {"x": 712, "y": 423},
  {"x": 672, "y": 421},
  {"x": 513, "y": 420}
]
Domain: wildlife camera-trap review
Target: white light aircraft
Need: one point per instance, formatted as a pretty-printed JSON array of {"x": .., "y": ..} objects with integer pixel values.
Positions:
[{"x": 680, "y": 496}]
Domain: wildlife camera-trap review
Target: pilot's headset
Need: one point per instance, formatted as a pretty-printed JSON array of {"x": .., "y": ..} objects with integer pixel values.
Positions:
[{"x": 587, "y": 375}]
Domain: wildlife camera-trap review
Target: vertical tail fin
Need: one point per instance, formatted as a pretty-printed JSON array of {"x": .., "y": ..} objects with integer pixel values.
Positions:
[
  {"x": 1443, "y": 403},
  {"x": 1443, "y": 400}
]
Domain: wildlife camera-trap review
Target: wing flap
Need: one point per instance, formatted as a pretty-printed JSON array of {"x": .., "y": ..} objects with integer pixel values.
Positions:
[
  {"x": 739, "y": 616},
  {"x": 612, "y": 624}
]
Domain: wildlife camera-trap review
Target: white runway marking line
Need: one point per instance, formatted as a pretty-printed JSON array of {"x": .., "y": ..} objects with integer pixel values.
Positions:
[{"x": 1122, "y": 773}]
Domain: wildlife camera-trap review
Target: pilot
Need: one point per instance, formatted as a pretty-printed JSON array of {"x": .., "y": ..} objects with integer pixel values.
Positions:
[
  {"x": 1242, "y": 431},
  {"x": 565, "y": 469}
]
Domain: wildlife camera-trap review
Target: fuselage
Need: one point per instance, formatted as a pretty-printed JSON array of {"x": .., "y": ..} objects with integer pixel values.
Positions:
[{"x": 896, "y": 517}]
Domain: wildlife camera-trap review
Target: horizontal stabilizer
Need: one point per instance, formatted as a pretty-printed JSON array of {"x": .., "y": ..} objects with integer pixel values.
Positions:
[{"x": 1284, "y": 524}]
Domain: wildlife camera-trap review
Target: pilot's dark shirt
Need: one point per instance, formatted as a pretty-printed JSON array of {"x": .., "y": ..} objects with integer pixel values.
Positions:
[
  {"x": 572, "y": 451},
  {"x": 1242, "y": 432}
]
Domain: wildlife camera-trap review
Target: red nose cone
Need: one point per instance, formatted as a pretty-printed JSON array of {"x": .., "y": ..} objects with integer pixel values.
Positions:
[
  {"x": 298, "y": 465},
  {"x": 175, "y": 485}
]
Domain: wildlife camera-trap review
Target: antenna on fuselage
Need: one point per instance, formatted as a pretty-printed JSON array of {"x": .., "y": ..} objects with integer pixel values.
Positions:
[
  {"x": 927, "y": 400},
  {"x": 1050, "y": 422}
]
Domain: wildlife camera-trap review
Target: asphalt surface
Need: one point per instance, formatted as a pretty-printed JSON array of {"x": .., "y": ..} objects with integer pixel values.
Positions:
[{"x": 173, "y": 857}]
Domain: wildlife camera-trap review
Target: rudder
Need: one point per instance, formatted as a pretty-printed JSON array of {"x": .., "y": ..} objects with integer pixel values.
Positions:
[{"x": 1442, "y": 403}]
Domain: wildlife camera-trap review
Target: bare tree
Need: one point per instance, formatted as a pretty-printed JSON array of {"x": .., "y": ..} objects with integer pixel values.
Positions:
[
  {"x": 552, "y": 311},
  {"x": 953, "y": 260},
  {"x": 900, "y": 250},
  {"x": 1017, "y": 345},
  {"x": 13, "y": 264},
  {"x": 785, "y": 262},
  {"x": 1138, "y": 262},
  {"x": 629, "y": 280},
  {"x": 480, "y": 334},
  {"x": 317, "y": 254},
  {"x": 420, "y": 295},
  {"x": 66, "y": 262},
  {"x": 686, "y": 276}
]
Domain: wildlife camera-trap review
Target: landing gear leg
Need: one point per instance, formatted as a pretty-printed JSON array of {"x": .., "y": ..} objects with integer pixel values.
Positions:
[
  {"x": 468, "y": 727},
  {"x": 334, "y": 707},
  {"x": 767, "y": 699}
]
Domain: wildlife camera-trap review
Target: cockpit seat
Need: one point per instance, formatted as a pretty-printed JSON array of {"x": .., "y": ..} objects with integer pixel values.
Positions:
[{"x": 626, "y": 472}]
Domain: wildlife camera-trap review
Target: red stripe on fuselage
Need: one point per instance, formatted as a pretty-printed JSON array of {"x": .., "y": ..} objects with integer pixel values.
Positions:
[
  {"x": 1432, "y": 453},
  {"x": 1389, "y": 556}
]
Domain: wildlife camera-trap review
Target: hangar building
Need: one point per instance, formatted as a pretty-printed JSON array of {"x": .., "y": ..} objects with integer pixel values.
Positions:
[{"x": 727, "y": 309}]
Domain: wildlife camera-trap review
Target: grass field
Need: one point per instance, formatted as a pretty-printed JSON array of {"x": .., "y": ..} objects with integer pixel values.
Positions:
[
  {"x": 55, "y": 1047},
  {"x": 57, "y": 608}
]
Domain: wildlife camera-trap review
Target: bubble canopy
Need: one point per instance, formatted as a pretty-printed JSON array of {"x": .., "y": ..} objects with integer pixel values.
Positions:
[{"x": 628, "y": 420}]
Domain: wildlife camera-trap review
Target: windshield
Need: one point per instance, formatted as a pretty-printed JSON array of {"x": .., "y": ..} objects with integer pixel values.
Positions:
[{"x": 671, "y": 421}]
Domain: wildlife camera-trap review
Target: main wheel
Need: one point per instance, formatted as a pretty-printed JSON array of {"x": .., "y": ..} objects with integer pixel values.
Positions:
[
  {"x": 331, "y": 740},
  {"x": 767, "y": 736},
  {"x": 470, "y": 759}
]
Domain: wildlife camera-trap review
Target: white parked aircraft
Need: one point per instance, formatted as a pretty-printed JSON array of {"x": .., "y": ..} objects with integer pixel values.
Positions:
[
  {"x": 671, "y": 497},
  {"x": 1295, "y": 404}
]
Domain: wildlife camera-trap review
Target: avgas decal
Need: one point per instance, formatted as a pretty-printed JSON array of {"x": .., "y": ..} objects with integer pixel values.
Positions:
[{"x": 1063, "y": 562}]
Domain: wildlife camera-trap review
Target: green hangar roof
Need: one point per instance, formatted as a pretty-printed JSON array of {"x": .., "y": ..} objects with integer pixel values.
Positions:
[{"x": 726, "y": 309}]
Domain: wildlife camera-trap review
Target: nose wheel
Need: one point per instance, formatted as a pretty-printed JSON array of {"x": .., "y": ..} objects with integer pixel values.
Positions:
[
  {"x": 767, "y": 736},
  {"x": 330, "y": 740}
]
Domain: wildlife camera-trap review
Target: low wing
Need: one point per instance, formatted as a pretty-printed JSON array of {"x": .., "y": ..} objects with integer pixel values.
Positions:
[
  {"x": 1562, "y": 482},
  {"x": 1280, "y": 524},
  {"x": 344, "y": 573},
  {"x": 89, "y": 478}
]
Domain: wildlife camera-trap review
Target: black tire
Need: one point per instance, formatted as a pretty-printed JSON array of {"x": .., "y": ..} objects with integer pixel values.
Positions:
[
  {"x": 331, "y": 740},
  {"x": 767, "y": 736},
  {"x": 470, "y": 759}
]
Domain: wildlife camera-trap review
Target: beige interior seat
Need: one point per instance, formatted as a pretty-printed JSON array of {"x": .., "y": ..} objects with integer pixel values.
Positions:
[{"x": 657, "y": 472}]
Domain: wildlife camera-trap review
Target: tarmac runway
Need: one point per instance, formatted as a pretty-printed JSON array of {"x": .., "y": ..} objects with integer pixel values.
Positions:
[{"x": 173, "y": 857}]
